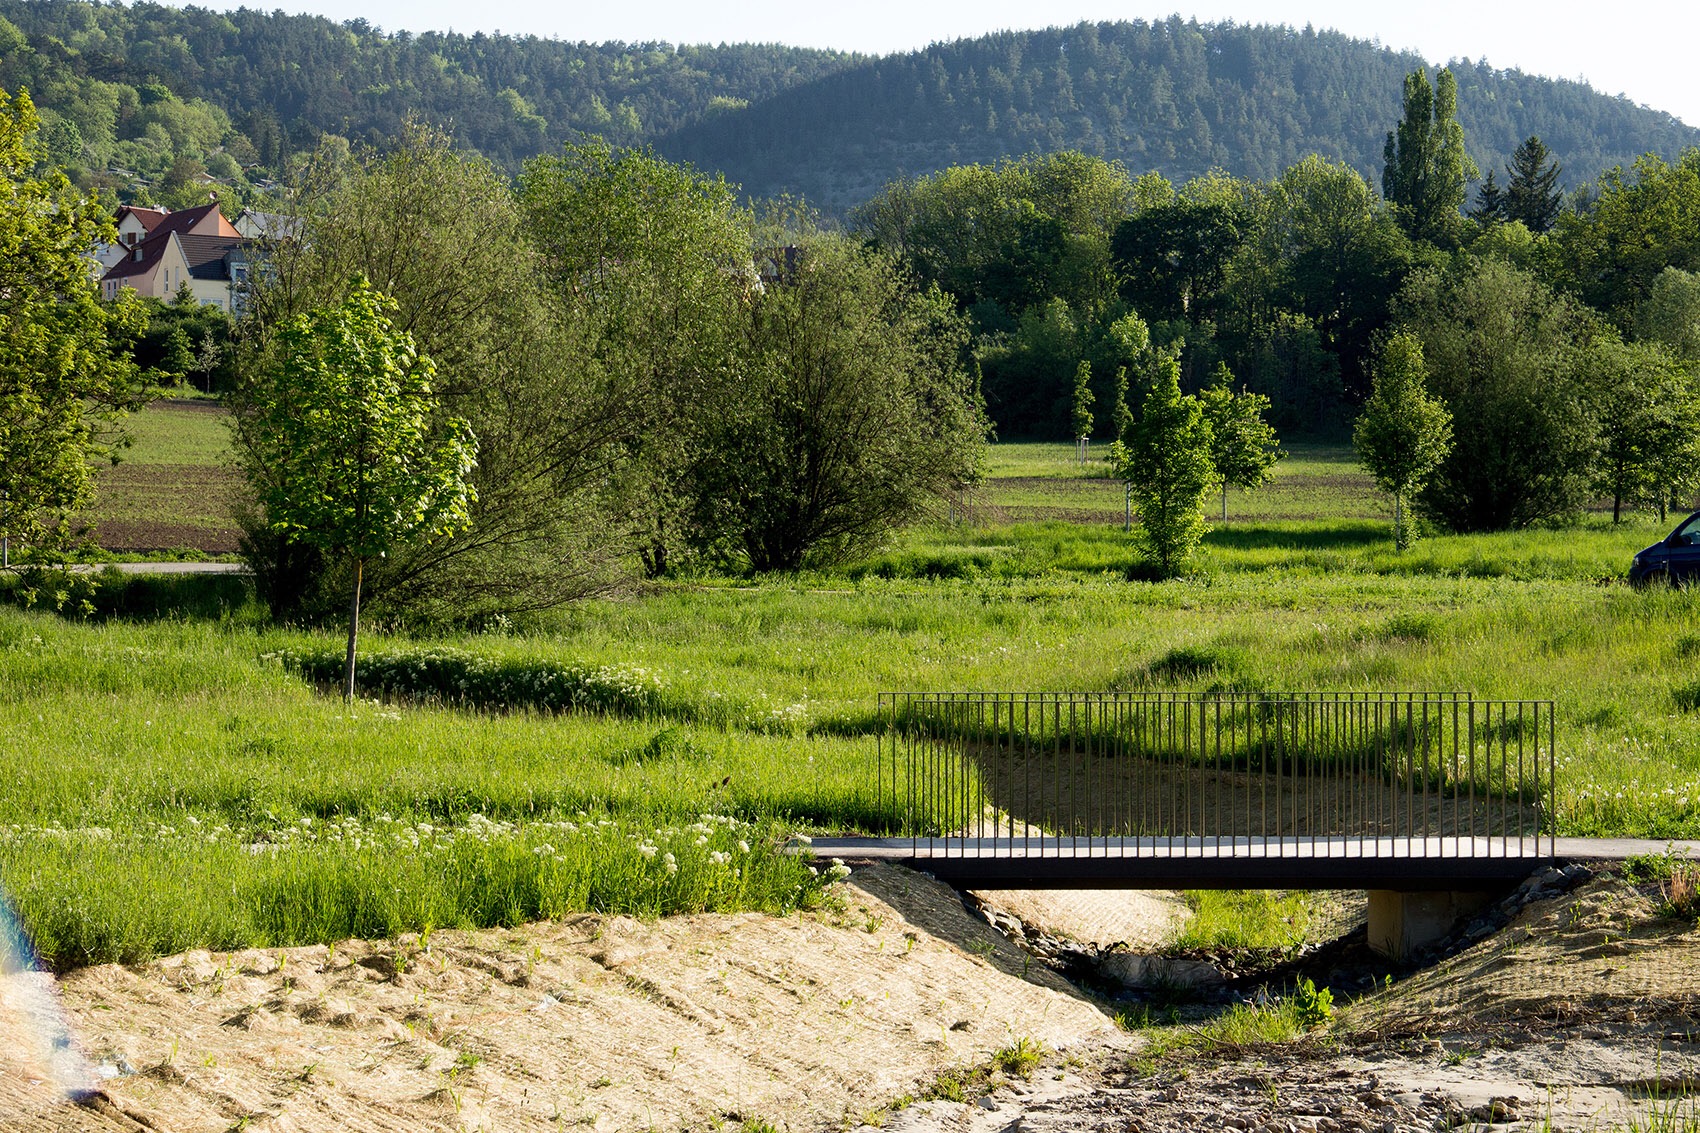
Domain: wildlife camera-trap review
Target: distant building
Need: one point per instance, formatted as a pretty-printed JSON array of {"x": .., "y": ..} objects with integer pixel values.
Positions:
[
  {"x": 135, "y": 224},
  {"x": 195, "y": 247},
  {"x": 267, "y": 225}
]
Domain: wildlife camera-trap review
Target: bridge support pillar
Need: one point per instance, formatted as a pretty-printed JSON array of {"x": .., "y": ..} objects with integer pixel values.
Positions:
[{"x": 1401, "y": 923}]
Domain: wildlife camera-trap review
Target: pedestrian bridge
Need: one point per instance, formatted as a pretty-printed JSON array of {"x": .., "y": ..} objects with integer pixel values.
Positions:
[{"x": 1422, "y": 798}]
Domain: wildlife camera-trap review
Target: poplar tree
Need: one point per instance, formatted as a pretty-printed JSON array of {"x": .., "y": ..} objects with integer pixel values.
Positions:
[{"x": 1427, "y": 168}]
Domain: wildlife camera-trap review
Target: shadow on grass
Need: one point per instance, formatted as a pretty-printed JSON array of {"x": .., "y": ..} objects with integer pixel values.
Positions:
[
  {"x": 111, "y": 595},
  {"x": 1339, "y": 536}
]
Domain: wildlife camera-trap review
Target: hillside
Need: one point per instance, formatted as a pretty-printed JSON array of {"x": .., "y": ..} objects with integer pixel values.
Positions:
[
  {"x": 169, "y": 97},
  {"x": 1175, "y": 96}
]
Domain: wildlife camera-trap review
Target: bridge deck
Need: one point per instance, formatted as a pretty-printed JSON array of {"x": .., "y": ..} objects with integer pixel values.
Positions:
[{"x": 1410, "y": 864}]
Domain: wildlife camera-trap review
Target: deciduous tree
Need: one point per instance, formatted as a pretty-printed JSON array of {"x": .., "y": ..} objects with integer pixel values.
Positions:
[
  {"x": 1166, "y": 463},
  {"x": 343, "y": 448},
  {"x": 1082, "y": 415},
  {"x": 849, "y": 414},
  {"x": 1243, "y": 445},
  {"x": 1504, "y": 354},
  {"x": 63, "y": 385},
  {"x": 1403, "y": 434}
]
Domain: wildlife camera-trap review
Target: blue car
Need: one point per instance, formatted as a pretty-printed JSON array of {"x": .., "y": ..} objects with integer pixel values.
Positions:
[{"x": 1674, "y": 560}]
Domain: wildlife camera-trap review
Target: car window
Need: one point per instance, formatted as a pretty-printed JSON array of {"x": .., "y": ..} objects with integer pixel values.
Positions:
[{"x": 1688, "y": 534}]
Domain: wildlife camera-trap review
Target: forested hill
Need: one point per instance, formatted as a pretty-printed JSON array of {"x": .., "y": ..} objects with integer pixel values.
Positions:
[
  {"x": 167, "y": 93},
  {"x": 281, "y": 81},
  {"x": 1176, "y": 96}
]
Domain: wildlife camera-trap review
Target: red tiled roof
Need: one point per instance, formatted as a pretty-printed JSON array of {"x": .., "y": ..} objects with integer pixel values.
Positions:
[
  {"x": 149, "y": 251},
  {"x": 148, "y": 218},
  {"x": 204, "y": 220}
]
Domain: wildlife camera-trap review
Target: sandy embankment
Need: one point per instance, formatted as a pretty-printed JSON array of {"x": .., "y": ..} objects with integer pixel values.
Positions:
[{"x": 603, "y": 1023}]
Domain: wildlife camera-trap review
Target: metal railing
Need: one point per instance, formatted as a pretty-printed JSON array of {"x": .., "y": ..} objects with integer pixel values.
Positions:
[{"x": 1247, "y": 773}]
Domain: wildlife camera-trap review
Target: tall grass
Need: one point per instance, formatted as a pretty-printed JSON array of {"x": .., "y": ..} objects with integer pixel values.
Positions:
[{"x": 171, "y": 703}]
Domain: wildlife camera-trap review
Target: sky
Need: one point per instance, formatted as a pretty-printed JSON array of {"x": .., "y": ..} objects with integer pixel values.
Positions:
[{"x": 1644, "y": 51}]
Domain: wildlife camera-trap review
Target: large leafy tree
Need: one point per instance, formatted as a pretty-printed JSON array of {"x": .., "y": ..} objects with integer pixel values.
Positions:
[
  {"x": 653, "y": 260},
  {"x": 63, "y": 386},
  {"x": 1649, "y": 422},
  {"x": 1640, "y": 223},
  {"x": 1403, "y": 434},
  {"x": 442, "y": 235},
  {"x": 1670, "y": 315},
  {"x": 1426, "y": 167},
  {"x": 849, "y": 415},
  {"x": 343, "y": 443},
  {"x": 1165, "y": 461},
  {"x": 1505, "y": 354},
  {"x": 1340, "y": 259}
]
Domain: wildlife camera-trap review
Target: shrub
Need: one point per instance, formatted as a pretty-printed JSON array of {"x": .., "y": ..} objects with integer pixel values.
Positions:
[{"x": 454, "y": 676}]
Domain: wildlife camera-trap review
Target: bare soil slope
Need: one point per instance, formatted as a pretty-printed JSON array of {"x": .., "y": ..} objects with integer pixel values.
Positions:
[{"x": 606, "y": 1023}]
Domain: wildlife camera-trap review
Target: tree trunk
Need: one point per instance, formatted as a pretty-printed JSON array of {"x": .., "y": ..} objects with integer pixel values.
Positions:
[
  {"x": 1224, "y": 501},
  {"x": 1616, "y": 508},
  {"x": 353, "y": 632},
  {"x": 1398, "y": 523}
]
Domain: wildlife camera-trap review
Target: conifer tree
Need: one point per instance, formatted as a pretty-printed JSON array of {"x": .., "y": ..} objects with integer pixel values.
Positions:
[
  {"x": 1490, "y": 202},
  {"x": 1532, "y": 195}
]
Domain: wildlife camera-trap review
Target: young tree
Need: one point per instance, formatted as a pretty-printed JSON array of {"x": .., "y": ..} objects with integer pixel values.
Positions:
[
  {"x": 1243, "y": 445},
  {"x": 1532, "y": 195},
  {"x": 1403, "y": 434},
  {"x": 1122, "y": 418},
  {"x": 1082, "y": 415},
  {"x": 342, "y": 446},
  {"x": 1166, "y": 463},
  {"x": 1427, "y": 168},
  {"x": 63, "y": 386}
]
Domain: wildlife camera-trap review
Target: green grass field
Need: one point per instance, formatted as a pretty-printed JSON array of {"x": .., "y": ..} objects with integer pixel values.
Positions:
[{"x": 174, "y": 784}]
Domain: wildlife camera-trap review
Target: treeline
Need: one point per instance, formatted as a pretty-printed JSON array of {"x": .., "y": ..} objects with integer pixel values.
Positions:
[
  {"x": 1562, "y": 336},
  {"x": 653, "y": 378},
  {"x": 168, "y": 93}
]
